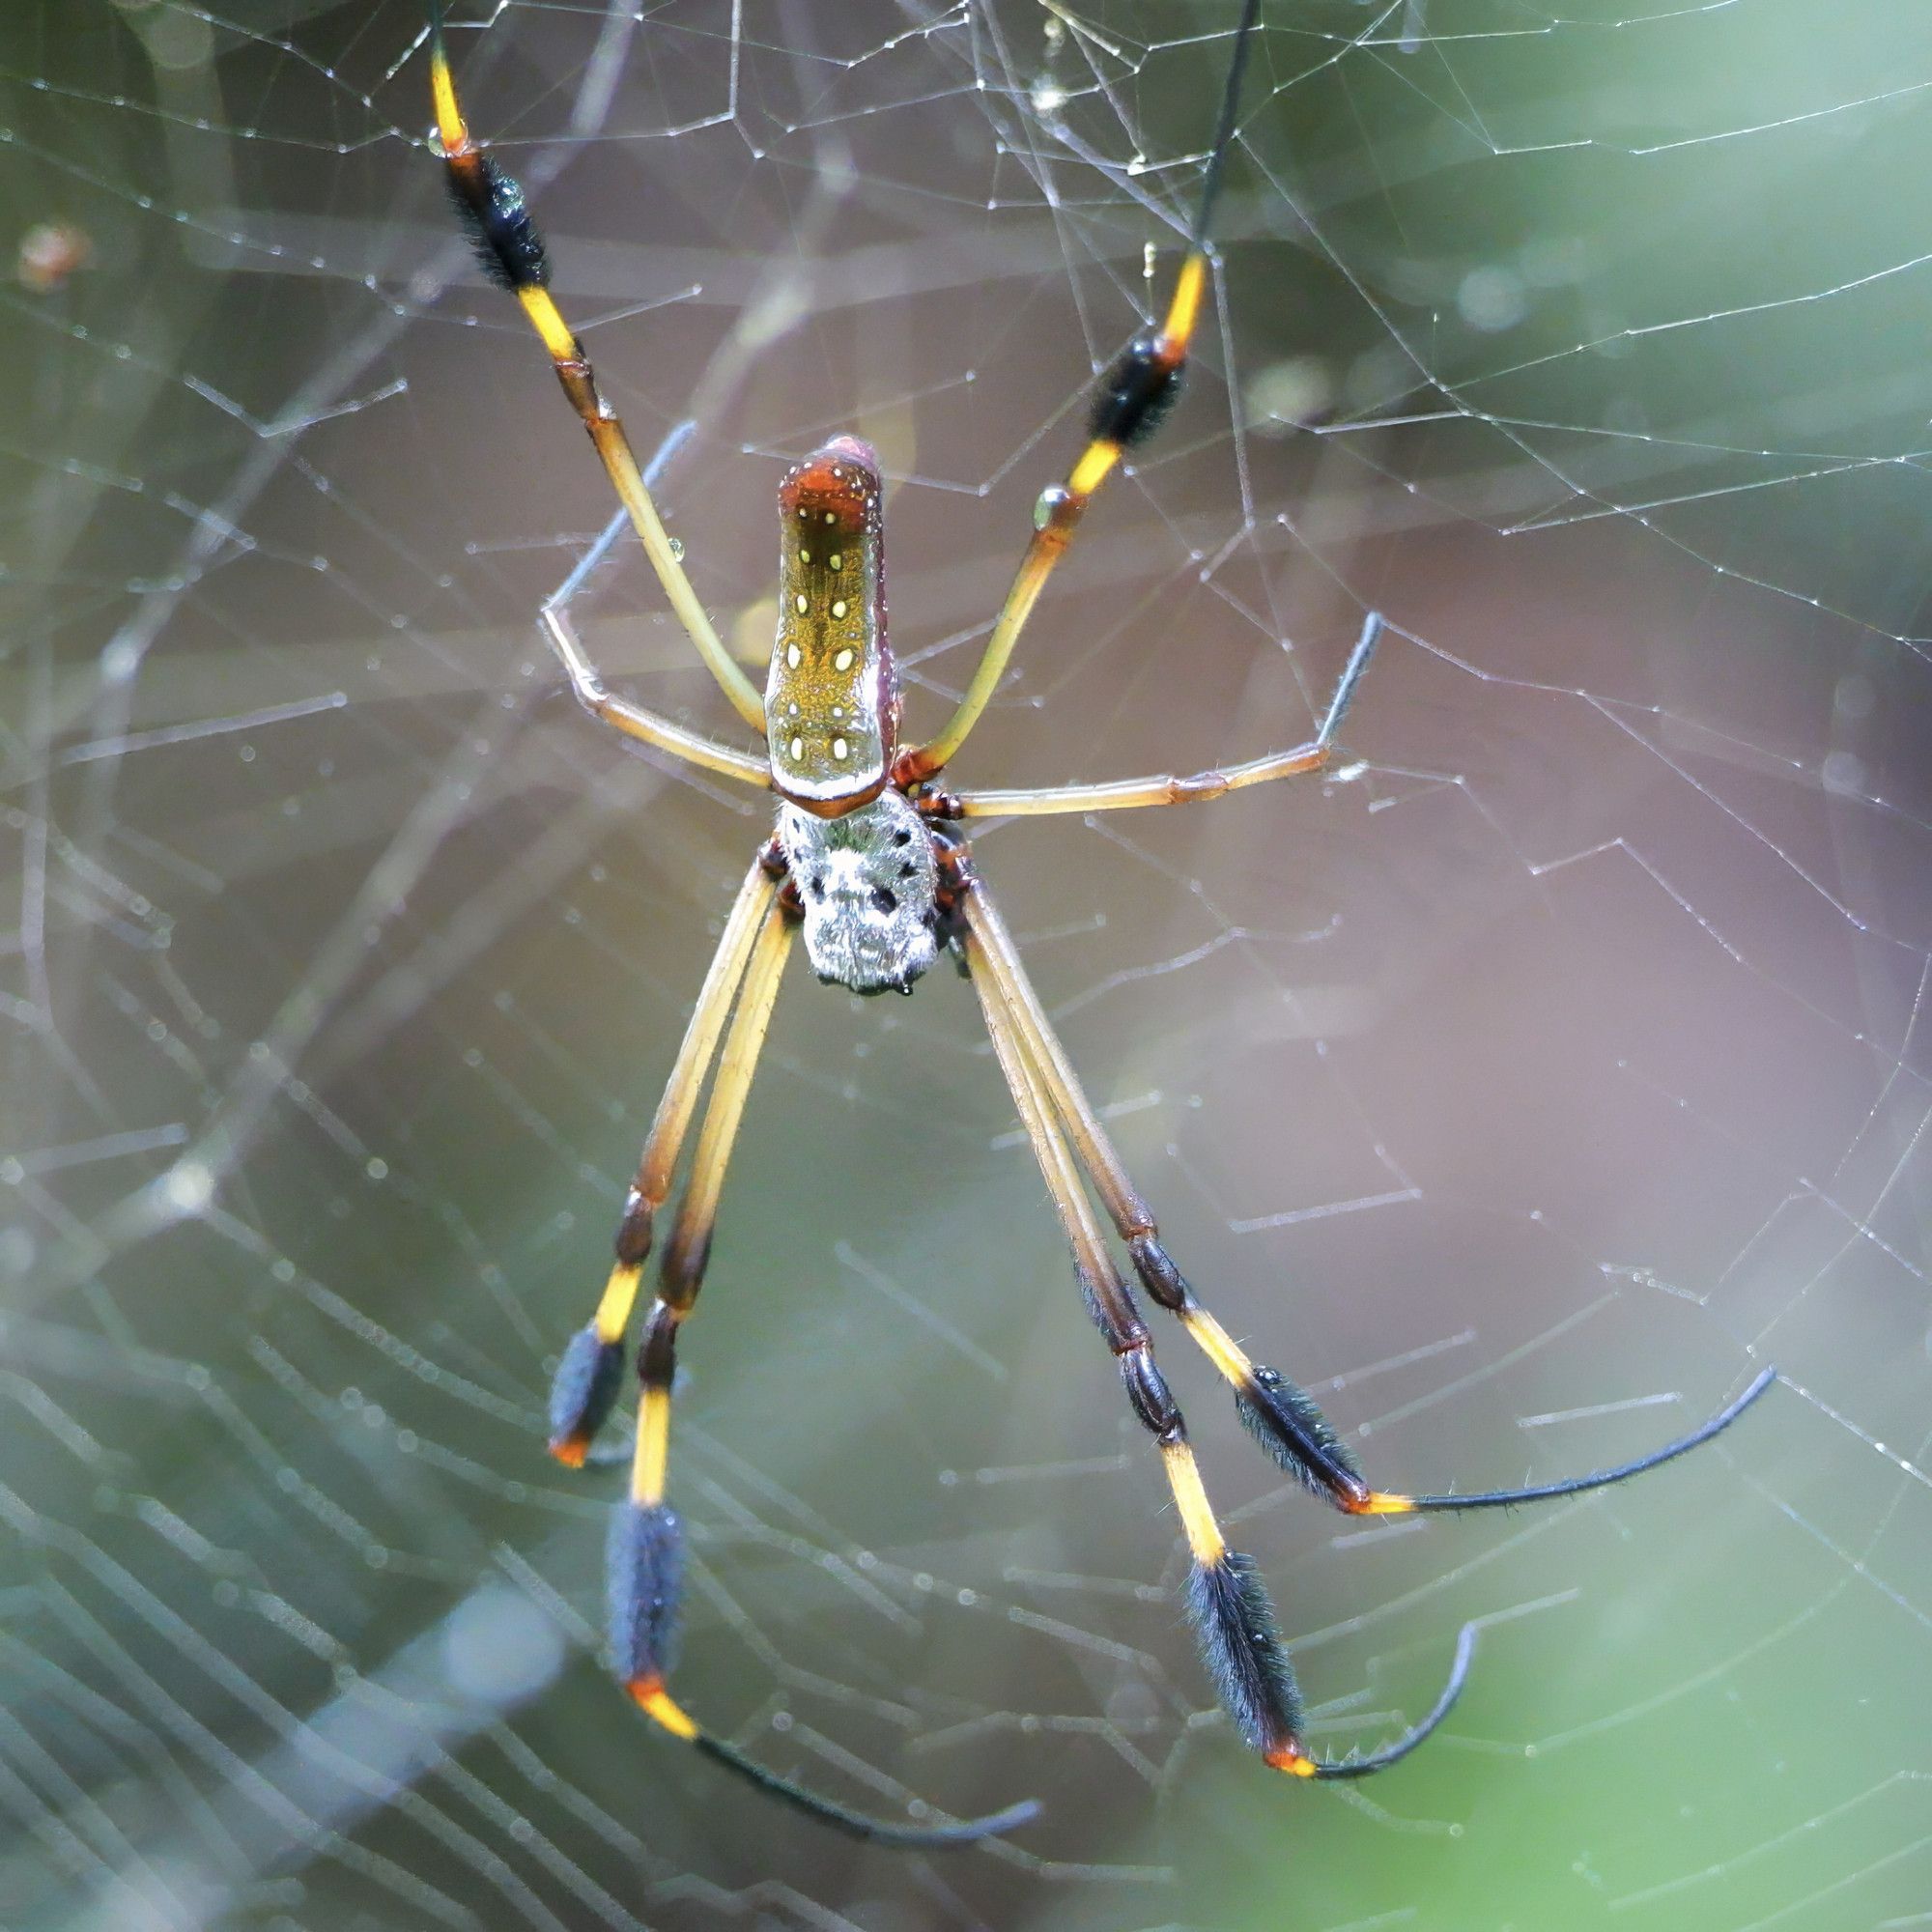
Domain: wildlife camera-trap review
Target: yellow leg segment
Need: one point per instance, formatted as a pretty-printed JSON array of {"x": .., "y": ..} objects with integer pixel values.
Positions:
[
  {"x": 493, "y": 206},
  {"x": 652, "y": 1456},
  {"x": 1133, "y": 395},
  {"x": 1095, "y": 465},
  {"x": 589, "y": 1374},
  {"x": 615, "y": 1304},
  {"x": 1204, "y": 1541},
  {"x": 658, "y": 1704}
]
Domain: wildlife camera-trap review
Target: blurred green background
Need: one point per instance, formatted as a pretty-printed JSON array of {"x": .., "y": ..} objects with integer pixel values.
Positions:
[{"x": 1523, "y": 1091}]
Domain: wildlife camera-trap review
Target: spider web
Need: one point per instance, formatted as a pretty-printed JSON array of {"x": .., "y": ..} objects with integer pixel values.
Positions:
[{"x": 1522, "y": 1090}]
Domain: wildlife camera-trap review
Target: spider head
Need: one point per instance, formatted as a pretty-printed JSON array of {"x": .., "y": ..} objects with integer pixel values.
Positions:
[{"x": 869, "y": 883}]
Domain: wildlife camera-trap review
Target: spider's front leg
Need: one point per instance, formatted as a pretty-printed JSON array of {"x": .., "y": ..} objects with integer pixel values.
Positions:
[
  {"x": 646, "y": 1543},
  {"x": 645, "y": 1553},
  {"x": 1227, "y": 1602},
  {"x": 1280, "y": 1416},
  {"x": 591, "y": 1371},
  {"x": 1233, "y": 1616}
]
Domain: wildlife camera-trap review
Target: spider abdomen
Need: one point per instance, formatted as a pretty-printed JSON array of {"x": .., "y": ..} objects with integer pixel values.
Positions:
[{"x": 830, "y": 700}]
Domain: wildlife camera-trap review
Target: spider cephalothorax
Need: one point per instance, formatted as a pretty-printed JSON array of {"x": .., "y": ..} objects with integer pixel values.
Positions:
[{"x": 868, "y": 884}]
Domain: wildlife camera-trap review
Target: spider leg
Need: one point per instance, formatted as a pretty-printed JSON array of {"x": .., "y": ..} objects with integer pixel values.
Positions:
[
  {"x": 1129, "y": 402},
  {"x": 637, "y": 722},
  {"x": 645, "y": 1552},
  {"x": 1119, "y": 794},
  {"x": 585, "y": 1387},
  {"x": 512, "y": 255},
  {"x": 1227, "y": 1602},
  {"x": 587, "y": 685},
  {"x": 1282, "y": 1417}
]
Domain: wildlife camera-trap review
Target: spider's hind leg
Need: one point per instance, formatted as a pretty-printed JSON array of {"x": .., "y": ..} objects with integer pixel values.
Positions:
[
  {"x": 1129, "y": 402},
  {"x": 511, "y": 253}
]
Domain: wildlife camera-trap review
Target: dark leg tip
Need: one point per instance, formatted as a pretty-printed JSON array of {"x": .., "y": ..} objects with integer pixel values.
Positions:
[{"x": 584, "y": 1393}]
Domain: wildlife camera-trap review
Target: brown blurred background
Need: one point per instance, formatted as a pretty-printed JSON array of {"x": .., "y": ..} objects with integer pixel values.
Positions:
[{"x": 1522, "y": 1094}]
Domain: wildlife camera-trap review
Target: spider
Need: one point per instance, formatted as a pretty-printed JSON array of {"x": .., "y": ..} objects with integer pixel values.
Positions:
[{"x": 869, "y": 860}]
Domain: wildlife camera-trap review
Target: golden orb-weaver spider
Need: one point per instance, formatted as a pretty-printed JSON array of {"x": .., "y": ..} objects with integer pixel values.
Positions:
[{"x": 868, "y": 859}]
